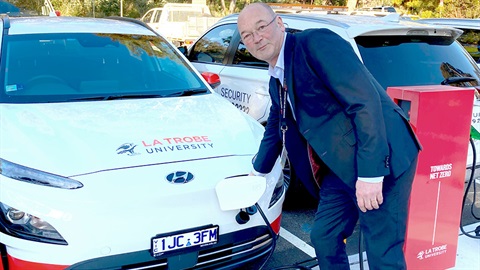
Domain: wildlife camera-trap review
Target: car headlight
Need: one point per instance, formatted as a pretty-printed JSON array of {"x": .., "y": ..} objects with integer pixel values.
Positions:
[
  {"x": 19, "y": 224},
  {"x": 33, "y": 176}
]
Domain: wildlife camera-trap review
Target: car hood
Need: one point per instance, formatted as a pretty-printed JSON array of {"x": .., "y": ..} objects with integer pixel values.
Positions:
[{"x": 77, "y": 138}]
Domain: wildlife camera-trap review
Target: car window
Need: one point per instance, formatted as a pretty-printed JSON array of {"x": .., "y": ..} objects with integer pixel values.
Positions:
[
  {"x": 244, "y": 57},
  {"x": 470, "y": 40},
  {"x": 158, "y": 15},
  {"x": 147, "y": 17},
  {"x": 212, "y": 47},
  {"x": 414, "y": 60},
  {"x": 51, "y": 67}
]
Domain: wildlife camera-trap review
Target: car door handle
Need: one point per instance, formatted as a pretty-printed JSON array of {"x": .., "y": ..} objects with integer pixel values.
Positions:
[{"x": 262, "y": 91}]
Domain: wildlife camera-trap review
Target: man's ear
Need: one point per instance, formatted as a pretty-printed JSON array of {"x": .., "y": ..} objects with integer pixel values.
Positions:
[{"x": 280, "y": 23}]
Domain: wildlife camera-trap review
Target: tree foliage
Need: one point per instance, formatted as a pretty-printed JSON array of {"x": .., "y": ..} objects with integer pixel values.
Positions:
[
  {"x": 136, "y": 8},
  {"x": 460, "y": 9},
  {"x": 440, "y": 8}
]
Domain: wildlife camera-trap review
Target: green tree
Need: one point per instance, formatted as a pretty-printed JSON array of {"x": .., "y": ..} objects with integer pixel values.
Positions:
[
  {"x": 33, "y": 7},
  {"x": 82, "y": 8},
  {"x": 460, "y": 9}
]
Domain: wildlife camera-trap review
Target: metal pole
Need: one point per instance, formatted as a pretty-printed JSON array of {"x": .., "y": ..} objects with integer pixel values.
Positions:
[{"x": 121, "y": 8}]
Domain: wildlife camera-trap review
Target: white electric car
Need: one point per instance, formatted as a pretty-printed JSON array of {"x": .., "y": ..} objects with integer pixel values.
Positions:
[{"x": 116, "y": 154}]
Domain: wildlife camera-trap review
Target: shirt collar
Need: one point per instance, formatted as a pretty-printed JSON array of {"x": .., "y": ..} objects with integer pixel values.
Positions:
[{"x": 279, "y": 69}]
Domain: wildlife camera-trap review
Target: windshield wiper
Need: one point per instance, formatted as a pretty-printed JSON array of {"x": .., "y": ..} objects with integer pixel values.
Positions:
[
  {"x": 189, "y": 92},
  {"x": 456, "y": 75},
  {"x": 454, "y": 80},
  {"x": 113, "y": 97}
]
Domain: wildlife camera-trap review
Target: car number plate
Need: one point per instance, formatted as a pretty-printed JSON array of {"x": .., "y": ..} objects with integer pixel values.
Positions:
[{"x": 186, "y": 239}]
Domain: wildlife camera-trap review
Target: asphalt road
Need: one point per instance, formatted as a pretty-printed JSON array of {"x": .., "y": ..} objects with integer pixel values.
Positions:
[{"x": 294, "y": 245}]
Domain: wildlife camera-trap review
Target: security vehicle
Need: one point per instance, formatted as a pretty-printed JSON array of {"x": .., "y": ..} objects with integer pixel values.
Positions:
[
  {"x": 115, "y": 153},
  {"x": 397, "y": 52}
]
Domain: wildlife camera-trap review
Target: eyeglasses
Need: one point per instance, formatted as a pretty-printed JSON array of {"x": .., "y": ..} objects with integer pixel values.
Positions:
[{"x": 248, "y": 36}]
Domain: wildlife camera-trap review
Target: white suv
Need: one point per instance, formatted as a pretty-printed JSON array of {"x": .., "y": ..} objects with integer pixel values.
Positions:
[
  {"x": 116, "y": 154},
  {"x": 397, "y": 52}
]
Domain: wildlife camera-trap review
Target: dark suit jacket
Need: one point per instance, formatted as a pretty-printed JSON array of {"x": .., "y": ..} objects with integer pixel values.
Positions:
[{"x": 341, "y": 111}]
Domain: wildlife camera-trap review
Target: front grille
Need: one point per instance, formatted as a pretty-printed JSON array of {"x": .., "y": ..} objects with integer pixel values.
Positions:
[{"x": 232, "y": 250}]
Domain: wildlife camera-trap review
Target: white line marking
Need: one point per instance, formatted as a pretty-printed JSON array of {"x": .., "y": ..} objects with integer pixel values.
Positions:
[
  {"x": 299, "y": 243},
  {"x": 436, "y": 214}
]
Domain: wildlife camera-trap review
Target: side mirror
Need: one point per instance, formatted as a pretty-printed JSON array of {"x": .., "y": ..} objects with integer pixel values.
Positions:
[
  {"x": 240, "y": 192},
  {"x": 212, "y": 79}
]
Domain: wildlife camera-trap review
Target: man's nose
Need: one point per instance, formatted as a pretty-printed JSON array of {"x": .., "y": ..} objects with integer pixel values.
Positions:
[{"x": 256, "y": 36}]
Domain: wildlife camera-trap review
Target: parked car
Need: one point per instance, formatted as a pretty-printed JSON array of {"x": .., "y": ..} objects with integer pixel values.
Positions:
[
  {"x": 397, "y": 52},
  {"x": 379, "y": 11},
  {"x": 115, "y": 153},
  {"x": 470, "y": 38},
  {"x": 180, "y": 23}
]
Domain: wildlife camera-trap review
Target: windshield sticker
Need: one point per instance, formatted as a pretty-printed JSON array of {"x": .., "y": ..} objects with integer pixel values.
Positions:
[
  {"x": 167, "y": 144},
  {"x": 13, "y": 88}
]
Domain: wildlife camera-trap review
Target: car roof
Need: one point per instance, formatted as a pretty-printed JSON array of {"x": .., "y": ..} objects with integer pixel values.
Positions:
[
  {"x": 454, "y": 22},
  {"x": 64, "y": 24},
  {"x": 355, "y": 25}
]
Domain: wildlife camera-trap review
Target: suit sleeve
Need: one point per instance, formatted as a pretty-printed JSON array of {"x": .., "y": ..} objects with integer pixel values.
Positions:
[
  {"x": 334, "y": 61},
  {"x": 271, "y": 144}
]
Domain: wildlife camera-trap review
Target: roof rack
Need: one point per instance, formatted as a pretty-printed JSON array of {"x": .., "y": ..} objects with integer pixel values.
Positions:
[{"x": 298, "y": 8}]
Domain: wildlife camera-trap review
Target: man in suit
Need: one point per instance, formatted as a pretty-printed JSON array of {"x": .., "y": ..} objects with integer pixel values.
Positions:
[{"x": 331, "y": 114}]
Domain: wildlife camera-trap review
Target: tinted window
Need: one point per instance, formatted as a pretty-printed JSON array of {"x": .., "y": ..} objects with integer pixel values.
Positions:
[
  {"x": 55, "y": 67},
  {"x": 470, "y": 40},
  {"x": 212, "y": 47},
  {"x": 410, "y": 60},
  {"x": 244, "y": 57}
]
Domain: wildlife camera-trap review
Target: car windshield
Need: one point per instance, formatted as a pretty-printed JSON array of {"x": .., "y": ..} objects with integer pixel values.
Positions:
[
  {"x": 416, "y": 60},
  {"x": 86, "y": 66}
]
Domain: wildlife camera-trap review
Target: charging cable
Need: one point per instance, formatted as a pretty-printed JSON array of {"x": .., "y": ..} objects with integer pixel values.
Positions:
[
  {"x": 270, "y": 231},
  {"x": 274, "y": 239},
  {"x": 470, "y": 181}
]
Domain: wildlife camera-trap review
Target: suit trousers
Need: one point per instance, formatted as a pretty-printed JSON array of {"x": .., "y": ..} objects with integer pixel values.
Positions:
[{"x": 383, "y": 229}]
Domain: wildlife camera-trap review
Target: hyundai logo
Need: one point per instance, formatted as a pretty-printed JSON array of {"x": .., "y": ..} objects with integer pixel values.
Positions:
[{"x": 180, "y": 177}]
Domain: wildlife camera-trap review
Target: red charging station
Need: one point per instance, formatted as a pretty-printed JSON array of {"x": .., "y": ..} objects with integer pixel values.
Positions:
[{"x": 441, "y": 118}]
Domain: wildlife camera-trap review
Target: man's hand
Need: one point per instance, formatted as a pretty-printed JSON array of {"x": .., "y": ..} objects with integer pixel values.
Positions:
[{"x": 369, "y": 195}]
